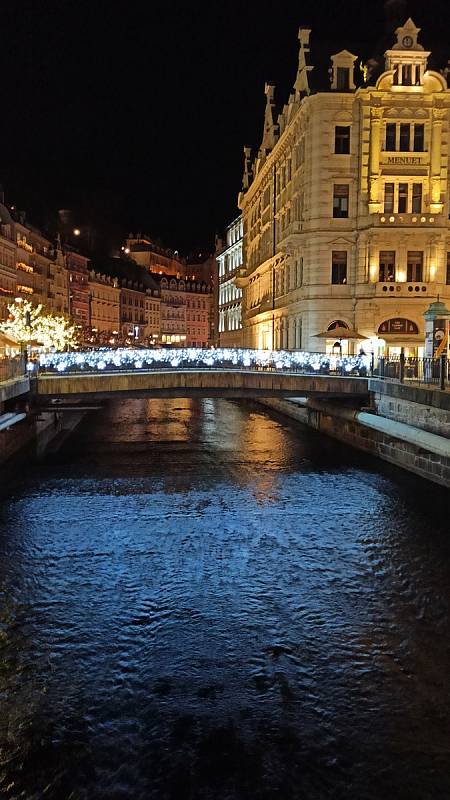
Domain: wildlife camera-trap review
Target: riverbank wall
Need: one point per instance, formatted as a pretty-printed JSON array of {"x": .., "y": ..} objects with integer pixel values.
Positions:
[{"x": 422, "y": 448}]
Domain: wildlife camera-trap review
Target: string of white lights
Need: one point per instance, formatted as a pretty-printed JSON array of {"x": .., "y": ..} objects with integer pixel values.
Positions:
[{"x": 105, "y": 359}]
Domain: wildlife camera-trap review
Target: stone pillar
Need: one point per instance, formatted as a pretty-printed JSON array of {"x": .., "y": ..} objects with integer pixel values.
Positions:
[
  {"x": 374, "y": 164},
  {"x": 436, "y": 204}
]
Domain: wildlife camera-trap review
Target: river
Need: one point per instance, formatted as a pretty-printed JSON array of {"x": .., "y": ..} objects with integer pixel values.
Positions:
[{"x": 201, "y": 601}]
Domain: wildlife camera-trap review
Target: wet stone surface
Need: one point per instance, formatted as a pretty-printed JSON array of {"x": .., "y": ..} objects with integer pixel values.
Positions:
[{"x": 198, "y": 600}]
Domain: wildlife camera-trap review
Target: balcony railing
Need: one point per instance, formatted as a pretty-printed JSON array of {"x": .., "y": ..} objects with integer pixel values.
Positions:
[
  {"x": 387, "y": 219},
  {"x": 394, "y": 288}
]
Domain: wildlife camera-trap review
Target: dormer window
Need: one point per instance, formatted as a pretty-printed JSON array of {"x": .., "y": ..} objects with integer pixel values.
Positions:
[
  {"x": 341, "y": 71},
  {"x": 343, "y": 79}
]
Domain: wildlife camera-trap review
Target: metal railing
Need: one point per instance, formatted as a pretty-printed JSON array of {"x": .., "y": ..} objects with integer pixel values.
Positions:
[
  {"x": 12, "y": 368},
  {"x": 409, "y": 369},
  {"x": 125, "y": 360}
]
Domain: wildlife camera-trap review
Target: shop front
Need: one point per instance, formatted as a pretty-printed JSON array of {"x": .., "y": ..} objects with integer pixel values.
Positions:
[{"x": 397, "y": 335}]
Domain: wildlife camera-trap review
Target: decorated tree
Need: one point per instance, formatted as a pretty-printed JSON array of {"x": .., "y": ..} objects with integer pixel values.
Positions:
[{"x": 27, "y": 323}]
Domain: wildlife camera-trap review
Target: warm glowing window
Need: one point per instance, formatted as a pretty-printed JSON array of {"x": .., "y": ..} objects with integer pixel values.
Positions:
[{"x": 387, "y": 266}]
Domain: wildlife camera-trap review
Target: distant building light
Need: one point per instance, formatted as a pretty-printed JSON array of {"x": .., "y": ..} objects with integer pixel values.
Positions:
[
  {"x": 127, "y": 250},
  {"x": 76, "y": 231}
]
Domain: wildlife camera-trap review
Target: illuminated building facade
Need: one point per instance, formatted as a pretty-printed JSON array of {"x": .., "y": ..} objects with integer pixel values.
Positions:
[
  {"x": 79, "y": 299},
  {"x": 31, "y": 265},
  {"x": 185, "y": 311},
  {"x": 346, "y": 205},
  {"x": 139, "y": 311},
  {"x": 153, "y": 258},
  {"x": 229, "y": 263},
  {"x": 105, "y": 304}
]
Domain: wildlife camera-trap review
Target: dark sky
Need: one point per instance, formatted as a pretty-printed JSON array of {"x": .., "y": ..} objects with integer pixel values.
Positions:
[{"x": 136, "y": 113}]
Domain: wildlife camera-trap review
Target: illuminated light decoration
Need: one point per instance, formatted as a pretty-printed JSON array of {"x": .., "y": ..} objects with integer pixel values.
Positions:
[
  {"x": 129, "y": 359},
  {"x": 29, "y": 323},
  {"x": 24, "y": 289},
  {"x": 24, "y": 267}
]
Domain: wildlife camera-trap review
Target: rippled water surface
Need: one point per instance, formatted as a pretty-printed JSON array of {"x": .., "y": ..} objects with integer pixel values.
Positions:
[{"x": 200, "y": 601}]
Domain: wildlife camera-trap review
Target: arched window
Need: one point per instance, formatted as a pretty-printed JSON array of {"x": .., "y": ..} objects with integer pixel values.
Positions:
[
  {"x": 398, "y": 325},
  {"x": 337, "y": 323}
]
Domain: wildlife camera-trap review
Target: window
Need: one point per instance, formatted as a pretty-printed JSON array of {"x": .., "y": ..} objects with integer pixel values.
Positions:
[
  {"x": 419, "y": 138},
  {"x": 447, "y": 280},
  {"x": 407, "y": 74},
  {"x": 342, "y": 139},
  {"x": 402, "y": 198},
  {"x": 342, "y": 79},
  {"x": 390, "y": 136},
  {"x": 339, "y": 267},
  {"x": 405, "y": 135},
  {"x": 388, "y": 198},
  {"x": 417, "y": 199},
  {"x": 387, "y": 266},
  {"x": 340, "y": 200},
  {"x": 415, "y": 266}
]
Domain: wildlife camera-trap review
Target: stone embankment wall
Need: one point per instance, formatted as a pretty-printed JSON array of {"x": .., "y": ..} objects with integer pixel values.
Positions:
[
  {"x": 427, "y": 409},
  {"x": 390, "y": 441}
]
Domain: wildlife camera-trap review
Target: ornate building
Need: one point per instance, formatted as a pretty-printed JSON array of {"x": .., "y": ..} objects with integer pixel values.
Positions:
[
  {"x": 105, "y": 305},
  {"x": 346, "y": 205},
  {"x": 185, "y": 312},
  {"x": 79, "y": 292},
  {"x": 229, "y": 262},
  {"x": 140, "y": 310}
]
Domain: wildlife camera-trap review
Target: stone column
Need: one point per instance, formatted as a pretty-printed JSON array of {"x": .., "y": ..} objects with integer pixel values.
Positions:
[
  {"x": 436, "y": 204},
  {"x": 374, "y": 163}
]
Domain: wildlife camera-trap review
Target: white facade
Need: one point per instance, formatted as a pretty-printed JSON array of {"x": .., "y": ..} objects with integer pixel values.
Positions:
[
  {"x": 346, "y": 206},
  {"x": 229, "y": 262}
]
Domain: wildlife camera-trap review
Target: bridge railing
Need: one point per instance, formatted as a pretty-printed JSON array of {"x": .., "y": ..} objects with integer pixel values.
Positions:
[
  {"x": 107, "y": 360},
  {"x": 12, "y": 368},
  {"x": 407, "y": 369}
]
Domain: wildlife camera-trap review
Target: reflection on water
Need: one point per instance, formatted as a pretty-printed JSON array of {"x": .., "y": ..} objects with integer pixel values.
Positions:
[{"x": 199, "y": 601}]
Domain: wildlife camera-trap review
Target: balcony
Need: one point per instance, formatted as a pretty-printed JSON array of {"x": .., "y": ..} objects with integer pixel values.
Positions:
[
  {"x": 426, "y": 220},
  {"x": 404, "y": 290},
  {"x": 241, "y": 280}
]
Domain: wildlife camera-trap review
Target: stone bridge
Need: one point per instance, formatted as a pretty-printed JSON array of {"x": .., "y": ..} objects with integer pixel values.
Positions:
[{"x": 233, "y": 383}]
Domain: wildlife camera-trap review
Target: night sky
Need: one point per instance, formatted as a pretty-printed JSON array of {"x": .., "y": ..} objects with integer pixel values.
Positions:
[{"x": 137, "y": 118}]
